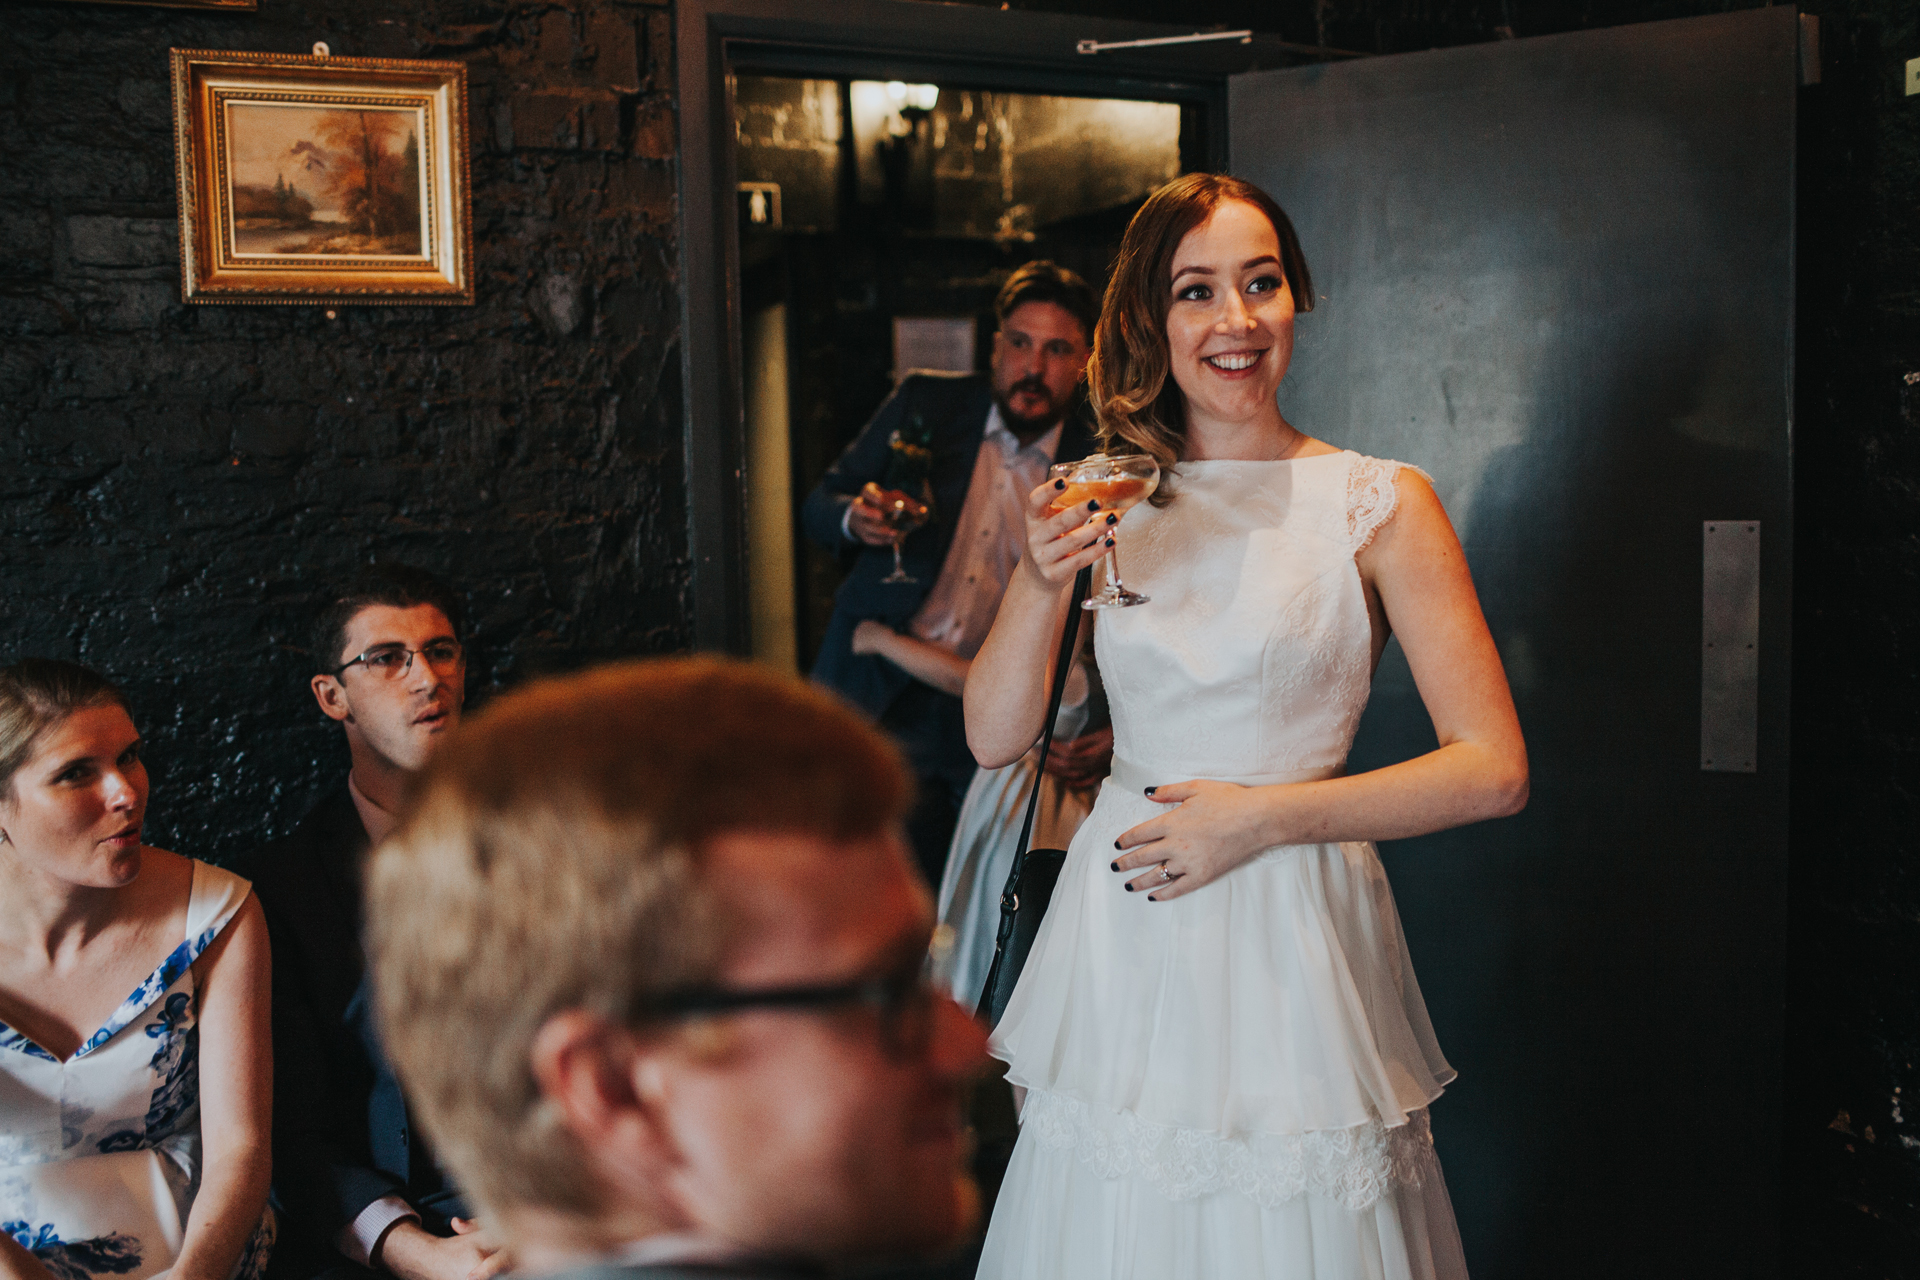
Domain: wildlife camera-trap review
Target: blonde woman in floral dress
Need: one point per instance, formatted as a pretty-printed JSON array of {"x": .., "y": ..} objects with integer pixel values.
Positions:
[{"x": 133, "y": 1127}]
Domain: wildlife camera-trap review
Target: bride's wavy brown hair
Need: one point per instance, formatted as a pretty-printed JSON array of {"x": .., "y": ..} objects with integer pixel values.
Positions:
[{"x": 1129, "y": 377}]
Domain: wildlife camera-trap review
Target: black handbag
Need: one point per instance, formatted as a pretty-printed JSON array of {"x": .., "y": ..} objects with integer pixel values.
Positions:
[{"x": 1023, "y": 903}]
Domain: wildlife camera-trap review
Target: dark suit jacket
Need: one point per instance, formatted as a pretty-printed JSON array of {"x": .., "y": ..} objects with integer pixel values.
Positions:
[
  {"x": 955, "y": 408},
  {"x": 342, "y": 1137}
]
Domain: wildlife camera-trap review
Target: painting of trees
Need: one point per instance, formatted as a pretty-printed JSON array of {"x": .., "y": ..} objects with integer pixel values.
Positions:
[
  {"x": 305, "y": 179},
  {"x": 372, "y": 171},
  {"x": 327, "y": 179}
]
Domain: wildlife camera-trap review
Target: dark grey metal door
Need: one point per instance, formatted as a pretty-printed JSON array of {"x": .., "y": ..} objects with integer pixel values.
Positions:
[{"x": 1557, "y": 274}]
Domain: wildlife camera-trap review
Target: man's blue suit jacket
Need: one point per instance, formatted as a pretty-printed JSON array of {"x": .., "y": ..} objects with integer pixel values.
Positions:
[
  {"x": 955, "y": 408},
  {"x": 342, "y": 1133}
]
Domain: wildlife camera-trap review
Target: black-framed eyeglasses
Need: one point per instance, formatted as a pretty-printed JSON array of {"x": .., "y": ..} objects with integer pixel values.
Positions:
[
  {"x": 902, "y": 1002},
  {"x": 391, "y": 661}
]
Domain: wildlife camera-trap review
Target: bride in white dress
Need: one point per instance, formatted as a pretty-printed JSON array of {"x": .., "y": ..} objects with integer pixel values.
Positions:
[{"x": 1225, "y": 1057}]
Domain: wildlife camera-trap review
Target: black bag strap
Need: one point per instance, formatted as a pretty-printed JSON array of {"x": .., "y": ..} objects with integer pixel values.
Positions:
[{"x": 1082, "y": 583}]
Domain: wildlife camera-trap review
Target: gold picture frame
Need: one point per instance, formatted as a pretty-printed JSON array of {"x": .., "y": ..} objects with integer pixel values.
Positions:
[
  {"x": 244, "y": 5},
  {"x": 322, "y": 180}
]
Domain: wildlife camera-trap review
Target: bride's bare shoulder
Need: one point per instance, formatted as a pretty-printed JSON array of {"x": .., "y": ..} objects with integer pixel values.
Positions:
[{"x": 1408, "y": 528}]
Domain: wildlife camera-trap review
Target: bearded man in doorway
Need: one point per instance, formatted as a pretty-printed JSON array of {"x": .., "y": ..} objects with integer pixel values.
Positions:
[{"x": 974, "y": 445}]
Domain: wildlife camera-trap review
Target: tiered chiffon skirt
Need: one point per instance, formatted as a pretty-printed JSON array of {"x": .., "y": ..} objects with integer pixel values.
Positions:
[{"x": 1229, "y": 1084}]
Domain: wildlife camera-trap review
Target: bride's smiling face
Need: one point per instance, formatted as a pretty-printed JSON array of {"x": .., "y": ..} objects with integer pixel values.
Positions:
[{"x": 1230, "y": 321}]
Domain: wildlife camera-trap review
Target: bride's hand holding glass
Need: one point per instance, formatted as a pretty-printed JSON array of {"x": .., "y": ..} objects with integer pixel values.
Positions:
[
  {"x": 1116, "y": 483},
  {"x": 1062, "y": 543}
]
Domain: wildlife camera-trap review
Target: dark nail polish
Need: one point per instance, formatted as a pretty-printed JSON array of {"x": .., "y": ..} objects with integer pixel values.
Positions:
[
  {"x": 1116, "y": 844},
  {"x": 1059, "y": 484},
  {"x": 1093, "y": 504},
  {"x": 1151, "y": 790},
  {"x": 1113, "y": 519},
  {"x": 1114, "y": 866},
  {"x": 1151, "y": 898},
  {"x": 1129, "y": 888},
  {"x": 1109, "y": 541}
]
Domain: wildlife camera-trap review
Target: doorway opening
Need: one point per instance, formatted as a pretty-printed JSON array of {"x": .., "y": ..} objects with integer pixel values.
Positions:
[{"x": 876, "y": 222}]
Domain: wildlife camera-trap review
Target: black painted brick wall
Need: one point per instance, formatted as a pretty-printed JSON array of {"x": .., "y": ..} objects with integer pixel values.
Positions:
[{"x": 175, "y": 481}]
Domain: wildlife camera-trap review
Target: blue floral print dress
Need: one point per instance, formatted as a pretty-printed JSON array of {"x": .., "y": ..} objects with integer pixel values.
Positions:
[{"x": 100, "y": 1154}]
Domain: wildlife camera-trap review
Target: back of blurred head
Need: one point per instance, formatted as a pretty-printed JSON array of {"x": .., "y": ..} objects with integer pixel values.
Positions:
[{"x": 587, "y": 845}]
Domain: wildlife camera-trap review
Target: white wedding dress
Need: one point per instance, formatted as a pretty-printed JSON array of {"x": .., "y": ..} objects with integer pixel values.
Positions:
[{"x": 1232, "y": 1084}]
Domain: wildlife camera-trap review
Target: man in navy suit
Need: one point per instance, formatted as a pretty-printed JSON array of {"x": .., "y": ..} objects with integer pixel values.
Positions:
[
  {"x": 360, "y": 1191},
  {"x": 899, "y": 651}
]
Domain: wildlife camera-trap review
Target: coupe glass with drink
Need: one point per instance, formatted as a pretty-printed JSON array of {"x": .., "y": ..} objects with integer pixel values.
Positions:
[
  {"x": 1117, "y": 482},
  {"x": 905, "y": 499},
  {"x": 902, "y": 513}
]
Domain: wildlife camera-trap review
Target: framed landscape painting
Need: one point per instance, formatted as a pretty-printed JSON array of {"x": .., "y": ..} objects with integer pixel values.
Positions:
[
  {"x": 183, "y": 4},
  {"x": 311, "y": 179}
]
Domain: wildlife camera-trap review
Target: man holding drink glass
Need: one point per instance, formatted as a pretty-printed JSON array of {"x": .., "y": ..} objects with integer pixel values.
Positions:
[{"x": 929, "y": 498}]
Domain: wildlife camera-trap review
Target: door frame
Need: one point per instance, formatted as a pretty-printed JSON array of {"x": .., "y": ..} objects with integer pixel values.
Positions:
[{"x": 977, "y": 47}]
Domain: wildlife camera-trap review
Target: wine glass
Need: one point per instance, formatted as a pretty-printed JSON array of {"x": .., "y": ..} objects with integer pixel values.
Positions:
[
  {"x": 1117, "y": 482},
  {"x": 902, "y": 513}
]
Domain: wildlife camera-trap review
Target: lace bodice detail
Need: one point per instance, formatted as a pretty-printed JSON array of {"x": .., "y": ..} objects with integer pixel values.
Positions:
[
  {"x": 1372, "y": 496},
  {"x": 1255, "y": 655}
]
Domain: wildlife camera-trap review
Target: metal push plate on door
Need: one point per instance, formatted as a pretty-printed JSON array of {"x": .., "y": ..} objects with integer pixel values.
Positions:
[{"x": 1729, "y": 645}]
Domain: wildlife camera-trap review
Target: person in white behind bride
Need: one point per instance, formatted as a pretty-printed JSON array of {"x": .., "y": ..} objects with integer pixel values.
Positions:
[{"x": 1226, "y": 1059}]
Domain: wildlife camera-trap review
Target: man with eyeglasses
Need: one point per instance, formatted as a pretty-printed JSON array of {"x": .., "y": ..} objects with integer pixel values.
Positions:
[
  {"x": 649, "y": 953},
  {"x": 359, "y": 1189}
]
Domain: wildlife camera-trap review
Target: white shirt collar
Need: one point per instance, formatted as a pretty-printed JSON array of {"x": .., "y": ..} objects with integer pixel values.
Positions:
[
  {"x": 1001, "y": 434},
  {"x": 376, "y": 820}
]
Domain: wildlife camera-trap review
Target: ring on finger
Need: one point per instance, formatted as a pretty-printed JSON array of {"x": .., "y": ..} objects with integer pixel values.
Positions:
[{"x": 1165, "y": 875}]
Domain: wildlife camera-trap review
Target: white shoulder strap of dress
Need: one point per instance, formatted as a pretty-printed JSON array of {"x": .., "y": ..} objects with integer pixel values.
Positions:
[
  {"x": 1372, "y": 497},
  {"x": 216, "y": 895}
]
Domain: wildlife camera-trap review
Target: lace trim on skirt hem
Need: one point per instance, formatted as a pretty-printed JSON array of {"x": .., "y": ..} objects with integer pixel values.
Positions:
[{"x": 1354, "y": 1167}]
